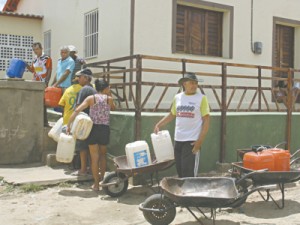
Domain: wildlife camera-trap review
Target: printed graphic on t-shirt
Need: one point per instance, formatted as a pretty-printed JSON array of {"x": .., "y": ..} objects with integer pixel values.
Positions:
[{"x": 186, "y": 111}]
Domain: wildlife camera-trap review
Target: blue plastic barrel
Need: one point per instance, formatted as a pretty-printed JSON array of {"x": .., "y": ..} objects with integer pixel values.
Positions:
[{"x": 16, "y": 68}]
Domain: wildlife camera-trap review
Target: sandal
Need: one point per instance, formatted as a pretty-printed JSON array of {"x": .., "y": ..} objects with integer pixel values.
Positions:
[
  {"x": 94, "y": 188},
  {"x": 79, "y": 173}
]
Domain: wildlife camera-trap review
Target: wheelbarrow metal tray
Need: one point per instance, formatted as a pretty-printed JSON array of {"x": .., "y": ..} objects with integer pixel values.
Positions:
[
  {"x": 269, "y": 177},
  {"x": 123, "y": 167},
  {"x": 206, "y": 192}
]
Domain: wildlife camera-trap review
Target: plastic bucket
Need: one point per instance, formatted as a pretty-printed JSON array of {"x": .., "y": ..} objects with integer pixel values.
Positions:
[
  {"x": 82, "y": 126},
  {"x": 138, "y": 154},
  {"x": 56, "y": 130},
  {"x": 281, "y": 159},
  {"x": 65, "y": 148},
  {"x": 16, "y": 68},
  {"x": 52, "y": 96},
  {"x": 162, "y": 145},
  {"x": 259, "y": 160}
]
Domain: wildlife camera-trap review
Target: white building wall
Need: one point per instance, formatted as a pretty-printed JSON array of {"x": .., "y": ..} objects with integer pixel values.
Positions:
[
  {"x": 65, "y": 19},
  {"x": 153, "y": 32},
  {"x": 19, "y": 26}
]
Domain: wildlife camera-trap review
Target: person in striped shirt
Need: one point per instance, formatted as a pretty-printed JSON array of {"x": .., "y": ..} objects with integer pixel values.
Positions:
[{"x": 41, "y": 67}]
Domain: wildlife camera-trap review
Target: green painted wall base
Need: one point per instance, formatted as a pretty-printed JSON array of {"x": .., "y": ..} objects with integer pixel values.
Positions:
[{"x": 243, "y": 130}]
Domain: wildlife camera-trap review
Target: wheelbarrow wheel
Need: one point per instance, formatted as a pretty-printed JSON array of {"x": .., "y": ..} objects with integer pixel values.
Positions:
[
  {"x": 119, "y": 184},
  {"x": 157, "y": 201}
]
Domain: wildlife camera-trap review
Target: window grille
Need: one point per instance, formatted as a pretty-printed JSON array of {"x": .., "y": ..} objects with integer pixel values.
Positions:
[
  {"x": 15, "y": 46},
  {"x": 47, "y": 43},
  {"x": 91, "y": 33}
]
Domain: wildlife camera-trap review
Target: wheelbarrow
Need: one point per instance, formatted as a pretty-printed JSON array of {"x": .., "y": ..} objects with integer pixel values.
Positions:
[
  {"x": 197, "y": 192},
  {"x": 115, "y": 183},
  {"x": 265, "y": 179}
]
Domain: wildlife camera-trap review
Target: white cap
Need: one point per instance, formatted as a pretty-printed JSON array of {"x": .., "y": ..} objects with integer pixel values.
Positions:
[{"x": 72, "y": 48}]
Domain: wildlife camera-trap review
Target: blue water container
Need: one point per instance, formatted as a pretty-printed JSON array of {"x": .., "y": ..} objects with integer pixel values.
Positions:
[{"x": 16, "y": 68}]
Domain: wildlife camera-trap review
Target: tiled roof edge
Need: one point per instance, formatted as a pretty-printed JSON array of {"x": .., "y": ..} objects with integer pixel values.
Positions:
[{"x": 2, "y": 13}]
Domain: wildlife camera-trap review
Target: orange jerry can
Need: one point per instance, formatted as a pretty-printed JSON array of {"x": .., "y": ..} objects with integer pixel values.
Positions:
[
  {"x": 281, "y": 159},
  {"x": 259, "y": 160},
  {"x": 52, "y": 96}
]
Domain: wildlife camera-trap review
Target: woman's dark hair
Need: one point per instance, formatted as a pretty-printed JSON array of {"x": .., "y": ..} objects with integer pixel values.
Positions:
[{"x": 101, "y": 84}]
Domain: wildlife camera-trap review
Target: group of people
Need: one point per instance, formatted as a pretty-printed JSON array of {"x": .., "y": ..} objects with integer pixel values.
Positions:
[
  {"x": 190, "y": 109},
  {"x": 79, "y": 95}
]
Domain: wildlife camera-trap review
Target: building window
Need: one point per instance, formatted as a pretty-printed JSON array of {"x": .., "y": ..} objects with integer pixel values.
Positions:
[
  {"x": 202, "y": 28},
  {"x": 47, "y": 43},
  {"x": 14, "y": 46},
  {"x": 91, "y": 29},
  {"x": 199, "y": 31}
]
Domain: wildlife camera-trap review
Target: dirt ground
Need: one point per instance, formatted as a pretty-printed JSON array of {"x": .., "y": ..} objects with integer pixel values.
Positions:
[{"x": 76, "y": 204}]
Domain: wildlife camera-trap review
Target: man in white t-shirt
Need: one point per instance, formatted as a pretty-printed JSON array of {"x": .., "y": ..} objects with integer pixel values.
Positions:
[{"x": 191, "y": 110}]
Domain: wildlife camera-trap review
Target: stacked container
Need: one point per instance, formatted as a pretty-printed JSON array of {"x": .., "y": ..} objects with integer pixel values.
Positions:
[
  {"x": 52, "y": 96},
  {"x": 16, "y": 68},
  {"x": 281, "y": 159},
  {"x": 162, "y": 146},
  {"x": 65, "y": 148},
  {"x": 56, "y": 130},
  {"x": 138, "y": 154},
  {"x": 82, "y": 126},
  {"x": 259, "y": 160}
]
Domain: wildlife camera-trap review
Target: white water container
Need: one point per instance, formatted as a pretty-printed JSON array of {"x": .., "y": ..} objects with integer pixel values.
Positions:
[
  {"x": 82, "y": 126},
  {"x": 138, "y": 154},
  {"x": 56, "y": 130},
  {"x": 162, "y": 146},
  {"x": 65, "y": 148}
]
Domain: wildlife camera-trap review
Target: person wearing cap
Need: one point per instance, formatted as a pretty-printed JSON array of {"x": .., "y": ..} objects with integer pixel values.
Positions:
[
  {"x": 79, "y": 62},
  {"x": 81, "y": 145},
  {"x": 68, "y": 100},
  {"x": 100, "y": 106},
  {"x": 191, "y": 111},
  {"x": 64, "y": 69}
]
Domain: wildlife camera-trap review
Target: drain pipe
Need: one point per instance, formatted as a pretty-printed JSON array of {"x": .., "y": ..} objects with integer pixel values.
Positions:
[
  {"x": 252, "y": 48},
  {"x": 256, "y": 47}
]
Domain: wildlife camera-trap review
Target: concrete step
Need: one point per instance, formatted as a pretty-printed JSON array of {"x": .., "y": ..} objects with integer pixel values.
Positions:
[{"x": 51, "y": 160}]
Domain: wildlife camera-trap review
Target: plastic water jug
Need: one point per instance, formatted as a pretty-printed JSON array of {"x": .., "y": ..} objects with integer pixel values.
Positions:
[
  {"x": 65, "y": 148},
  {"x": 16, "y": 68},
  {"x": 259, "y": 160},
  {"x": 82, "y": 126},
  {"x": 162, "y": 146},
  {"x": 56, "y": 130},
  {"x": 281, "y": 159},
  {"x": 52, "y": 96},
  {"x": 138, "y": 154}
]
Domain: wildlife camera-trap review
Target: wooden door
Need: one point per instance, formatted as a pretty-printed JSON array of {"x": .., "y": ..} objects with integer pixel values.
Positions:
[{"x": 283, "y": 51}]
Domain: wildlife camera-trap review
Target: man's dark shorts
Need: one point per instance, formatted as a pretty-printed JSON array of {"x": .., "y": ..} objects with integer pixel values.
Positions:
[{"x": 81, "y": 145}]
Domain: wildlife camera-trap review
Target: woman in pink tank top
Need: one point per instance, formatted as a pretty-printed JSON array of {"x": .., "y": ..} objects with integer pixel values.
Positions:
[{"x": 100, "y": 105}]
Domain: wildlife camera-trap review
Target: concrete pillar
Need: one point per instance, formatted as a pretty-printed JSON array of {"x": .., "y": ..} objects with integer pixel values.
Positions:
[{"x": 21, "y": 121}]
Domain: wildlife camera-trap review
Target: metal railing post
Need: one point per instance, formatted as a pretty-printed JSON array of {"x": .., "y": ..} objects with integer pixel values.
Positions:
[
  {"x": 223, "y": 113},
  {"x": 138, "y": 110},
  {"x": 289, "y": 110},
  {"x": 259, "y": 89}
]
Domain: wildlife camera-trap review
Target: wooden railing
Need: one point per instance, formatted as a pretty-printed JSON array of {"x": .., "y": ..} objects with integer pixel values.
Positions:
[{"x": 143, "y": 83}]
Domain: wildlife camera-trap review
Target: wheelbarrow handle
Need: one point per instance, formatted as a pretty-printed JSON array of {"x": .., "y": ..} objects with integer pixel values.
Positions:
[
  {"x": 295, "y": 153},
  {"x": 281, "y": 143},
  {"x": 294, "y": 160}
]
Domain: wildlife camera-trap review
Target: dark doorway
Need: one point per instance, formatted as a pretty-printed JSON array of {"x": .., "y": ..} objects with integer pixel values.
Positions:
[{"x": 284, "y": 39}]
